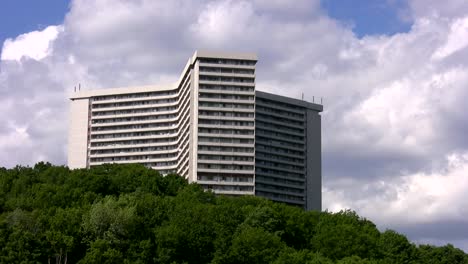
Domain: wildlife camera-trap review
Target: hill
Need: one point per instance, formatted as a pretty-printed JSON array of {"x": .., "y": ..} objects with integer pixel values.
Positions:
[{"x": 131, "y": 214}]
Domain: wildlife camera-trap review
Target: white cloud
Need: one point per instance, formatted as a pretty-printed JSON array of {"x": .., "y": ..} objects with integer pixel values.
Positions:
[
  {"x": 436, "y": 8},
  {"x": 224, "y": 21},
  {"x": 414, "y": 198},
  {"x": 35, "y": 44},
  {"x": 457, "y": 39}
]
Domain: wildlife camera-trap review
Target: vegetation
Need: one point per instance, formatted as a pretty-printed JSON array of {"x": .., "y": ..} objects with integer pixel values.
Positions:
[{"x": 130, "y": 214}]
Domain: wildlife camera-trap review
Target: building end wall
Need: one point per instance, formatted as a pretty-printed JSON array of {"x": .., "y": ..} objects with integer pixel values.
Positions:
[
  {"x": 314, "y": 161},
  {"x": 193, "y": 138},
  {"x": 78, "y": 134}
]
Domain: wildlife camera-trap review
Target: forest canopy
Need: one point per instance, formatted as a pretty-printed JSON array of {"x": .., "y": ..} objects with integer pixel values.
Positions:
[{"x": 132, "y": 214}]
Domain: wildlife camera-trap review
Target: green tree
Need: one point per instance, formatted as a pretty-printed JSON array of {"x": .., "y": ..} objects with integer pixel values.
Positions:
[
  {"x": 396, "y": 248},
  {"x": 441, "y": 255},
  {"x": 252, "y": 245},
  {"x": 131, "y": 214},
  {"x": 345, "y": 234}
]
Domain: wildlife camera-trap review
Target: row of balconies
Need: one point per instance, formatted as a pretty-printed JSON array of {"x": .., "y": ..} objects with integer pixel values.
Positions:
[
  {"x": 226, "y": 109},
  {"x": 142, "y": 150},
  {"x": 296, "y": 192},
  {"x": 281, "y": 105},
  {"x": 131, "y": 153},
  {"x": 270, "y": 141},
  {"x": 132, "y": 121},
  {"x": 225, "y": 158},
  {"x": 228, "y": 63},
  {"x": 279, "y": 151},
  {"x": 226, "y": 167},
  {"x": 134, "y": 97},
  {"x": 228, "y": 76},
  {"x": 226, "y": 162},
  {"x": 135, "y": 112},
  {"x": 231, "y": 83},
  {"x": 287, "y": 123},
  {"x": 141, "y": 102},
  {"x": 224, "y": 70},
  {"x": 278, "y": 158},
  {"x": 132, "y": 136},
  {"x": 227, "y": 88},
  {"x": 279, "y": 128},
  {"x": 100, "y": 111},
  {"x": 281, "y": 197},
  {"x": 279, "y": 171},
  {"x": 279, "y": 113},
  {"x": 226, "y": 114},
  {"x": 226, "y": 152},
  {"x": 142, "y": 160},
  {"x": 211, "y": 139},
  {"x": 124, "y": 146},
  {"x": 229, "y": 102},
  {"x": 226, "y": 135},
  {"x": 279, "y": 135},
  {"x": 278, "y": 181},
  {"x": 225, "y": 91},
  {"x": 282, "y": 166},
  {"x": 138, "y": 126},
  {"x": 225, "y": 96}
]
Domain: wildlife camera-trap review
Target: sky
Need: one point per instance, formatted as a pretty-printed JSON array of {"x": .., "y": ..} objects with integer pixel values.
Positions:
[{"x": 392, "y": 75}]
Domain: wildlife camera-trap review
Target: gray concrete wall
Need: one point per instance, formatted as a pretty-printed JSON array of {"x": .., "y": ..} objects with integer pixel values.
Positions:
[{"x": 314, "y": 161}]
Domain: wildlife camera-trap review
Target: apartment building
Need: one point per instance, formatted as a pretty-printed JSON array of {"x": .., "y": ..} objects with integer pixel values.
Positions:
[{"x": 211, "y": 127}]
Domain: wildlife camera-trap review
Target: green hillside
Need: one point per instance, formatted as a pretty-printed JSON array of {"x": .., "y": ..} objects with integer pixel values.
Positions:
[{"x": 130, "y": 214}]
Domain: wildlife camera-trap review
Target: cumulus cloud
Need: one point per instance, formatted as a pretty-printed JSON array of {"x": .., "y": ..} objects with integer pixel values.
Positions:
[
  {"x": 394, "y": 128},
  {"x": 432, "y": 8},
  {"x": 35, "y": 45},
  {"x": 414, "y": 198},
  {"x": 428, "y": 207},
  {"x": 456, "y": 41}
]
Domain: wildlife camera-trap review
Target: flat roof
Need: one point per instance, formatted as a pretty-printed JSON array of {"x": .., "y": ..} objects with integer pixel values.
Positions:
[
  {"x": 289, "y": 100},
  {"x": 225, "y": 55},
  {"x": 124, "y": 90}
]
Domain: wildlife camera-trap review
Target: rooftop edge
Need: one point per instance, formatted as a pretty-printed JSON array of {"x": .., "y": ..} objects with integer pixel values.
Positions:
[
  {"x": 225, "y": 55},
  {"x": 122, "y": 90},
  {"x": 309, "y": 105}
]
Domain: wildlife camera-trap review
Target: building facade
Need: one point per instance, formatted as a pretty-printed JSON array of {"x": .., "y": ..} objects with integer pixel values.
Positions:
[{"x": 212, "y": 127}]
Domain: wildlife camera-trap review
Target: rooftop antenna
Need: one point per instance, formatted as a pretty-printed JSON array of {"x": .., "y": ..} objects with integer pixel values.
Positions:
[
  {"x": 79, "y": 86},
  {"x": 302, "y": 96}
]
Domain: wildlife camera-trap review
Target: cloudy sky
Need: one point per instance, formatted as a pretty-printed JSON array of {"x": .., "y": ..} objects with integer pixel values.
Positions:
[{"x": 393, "y": 75}]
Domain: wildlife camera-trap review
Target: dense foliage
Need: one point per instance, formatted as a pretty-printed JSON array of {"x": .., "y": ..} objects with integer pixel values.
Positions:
[{"x": 130, "y": 214}]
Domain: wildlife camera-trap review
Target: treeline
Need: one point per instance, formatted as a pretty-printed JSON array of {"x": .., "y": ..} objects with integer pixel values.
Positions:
[{"x": 131, "y": 214}]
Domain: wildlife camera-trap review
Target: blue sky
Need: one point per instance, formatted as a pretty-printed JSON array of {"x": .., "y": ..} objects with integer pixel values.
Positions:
[
  {"x": 22, "y": 16},
  {"x": 370, "y": 17}
]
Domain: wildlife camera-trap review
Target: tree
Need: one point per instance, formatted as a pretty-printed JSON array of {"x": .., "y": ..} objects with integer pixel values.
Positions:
[
  {"x": 441, "y": 255},
  {"x": 252, "y": 245},
  {"x": 345, "y": 234},
  {"x": 131, "y": 214}
]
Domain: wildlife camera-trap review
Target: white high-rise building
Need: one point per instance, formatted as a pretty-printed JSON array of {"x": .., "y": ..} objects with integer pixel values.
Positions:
[{"x": 211, "y": 127}]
